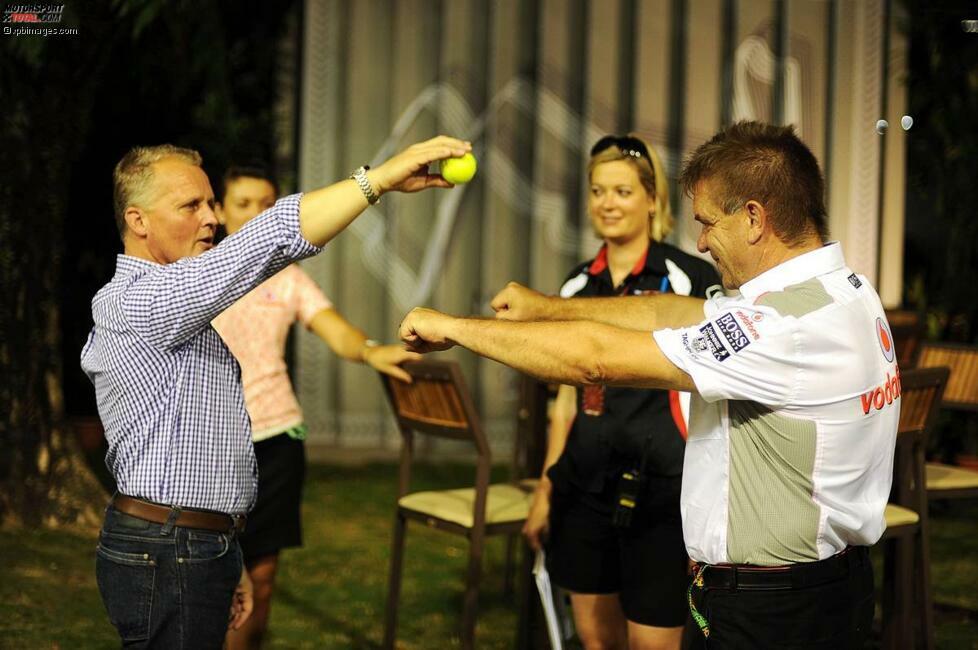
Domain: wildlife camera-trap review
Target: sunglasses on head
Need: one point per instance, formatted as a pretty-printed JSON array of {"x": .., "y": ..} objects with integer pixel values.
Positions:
[{"x": 626, "y": 144}]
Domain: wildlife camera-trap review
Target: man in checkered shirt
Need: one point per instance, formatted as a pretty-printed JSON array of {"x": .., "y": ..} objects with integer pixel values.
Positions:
[{"x": 169, "y": 395}]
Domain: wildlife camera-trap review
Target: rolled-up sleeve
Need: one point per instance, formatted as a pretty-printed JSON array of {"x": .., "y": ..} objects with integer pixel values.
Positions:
[{"x": 171, "y": 304}]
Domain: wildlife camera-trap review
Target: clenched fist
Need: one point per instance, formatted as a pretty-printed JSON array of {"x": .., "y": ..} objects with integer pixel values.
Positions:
[
  {"x": 426, "y": 330},
  {"x": 516, "y": 302}
]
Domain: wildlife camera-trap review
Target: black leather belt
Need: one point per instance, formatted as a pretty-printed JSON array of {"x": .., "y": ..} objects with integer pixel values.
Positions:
[
  {"x": 185, "y": 518},
  {"x": 743, "y": 577}
]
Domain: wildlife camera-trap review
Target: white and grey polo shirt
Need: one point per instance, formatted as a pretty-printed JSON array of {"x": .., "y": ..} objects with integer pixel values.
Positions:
[{"x": 791, "y": 436}]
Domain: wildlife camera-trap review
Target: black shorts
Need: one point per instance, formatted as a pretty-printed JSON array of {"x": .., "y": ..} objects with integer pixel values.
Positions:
[
  {"x": 274, "y": 522},
  {"x": 645, "y": 564}
]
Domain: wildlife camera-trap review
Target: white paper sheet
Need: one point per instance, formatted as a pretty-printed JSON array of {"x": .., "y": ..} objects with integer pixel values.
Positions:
[{"x": 547, "y": 599}]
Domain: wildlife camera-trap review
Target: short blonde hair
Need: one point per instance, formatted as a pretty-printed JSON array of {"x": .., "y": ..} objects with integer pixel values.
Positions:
[
  {"x": 652, "y": 176},
  {"x": 133, "y": 176}
]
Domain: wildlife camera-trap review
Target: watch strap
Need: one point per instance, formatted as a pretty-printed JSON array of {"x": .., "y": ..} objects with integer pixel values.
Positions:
[{"x": 359, "y": 176}]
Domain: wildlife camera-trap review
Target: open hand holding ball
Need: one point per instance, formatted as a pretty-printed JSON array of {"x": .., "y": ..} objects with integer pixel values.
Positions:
[{"x": 458, "y": 170}]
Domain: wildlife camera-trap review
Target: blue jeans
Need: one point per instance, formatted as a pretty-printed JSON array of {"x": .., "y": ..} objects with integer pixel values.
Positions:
[{"x": 165, "y": 586}]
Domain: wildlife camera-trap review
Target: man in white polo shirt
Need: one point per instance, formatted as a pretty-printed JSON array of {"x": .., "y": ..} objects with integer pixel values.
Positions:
[{"x": 795, "y": 394}]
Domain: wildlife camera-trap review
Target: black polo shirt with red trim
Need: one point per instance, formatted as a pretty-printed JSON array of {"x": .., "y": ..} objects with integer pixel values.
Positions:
[{"x": 611, "y": 429}]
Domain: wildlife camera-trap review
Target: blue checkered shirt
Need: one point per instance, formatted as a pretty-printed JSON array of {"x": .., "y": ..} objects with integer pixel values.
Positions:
[{"x": 168, "y": 389}]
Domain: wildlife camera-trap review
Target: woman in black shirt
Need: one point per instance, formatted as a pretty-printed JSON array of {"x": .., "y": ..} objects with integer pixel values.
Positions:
[{"x": 608, "y": 502}]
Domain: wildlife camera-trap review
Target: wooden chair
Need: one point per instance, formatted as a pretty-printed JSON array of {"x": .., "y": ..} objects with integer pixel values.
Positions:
[
  {"x": 961, "y": 394},
  {"x": 533, "y": 421},
  {"x": 907, "y": 328},
  {"x": 438, "y": 403},
  {"x": 906, "y": 573},
  {"x": 529, "y": 451}
]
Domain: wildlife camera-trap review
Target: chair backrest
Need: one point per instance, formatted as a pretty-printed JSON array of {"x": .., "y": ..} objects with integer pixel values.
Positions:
[
  {"x": 921, "y": 390},
  {"x": 907, "y": 328},
  {"x": 920, "y": 400},
  {"x": 962, "y": 386},
  {"x": 532, "y": 425},
  {"x": 436, "y": 403}
]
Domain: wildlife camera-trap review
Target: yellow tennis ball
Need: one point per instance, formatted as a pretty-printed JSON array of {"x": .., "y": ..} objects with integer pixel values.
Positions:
[{"x": 458, "y": 170}]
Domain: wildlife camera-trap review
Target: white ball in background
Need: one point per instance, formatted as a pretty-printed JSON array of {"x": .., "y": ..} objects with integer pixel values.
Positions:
[
  {"x": 882, "y": 126},
  {"x": 906, "y": 122}
]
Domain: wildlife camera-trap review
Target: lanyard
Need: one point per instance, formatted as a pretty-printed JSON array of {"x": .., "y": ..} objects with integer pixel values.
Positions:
[
  {"x": 592, "y": 398},
  {"x": 697, "y": 582}
]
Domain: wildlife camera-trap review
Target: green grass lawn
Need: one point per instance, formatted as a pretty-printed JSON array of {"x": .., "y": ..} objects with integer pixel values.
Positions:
[{"x": 331, "y": 592}]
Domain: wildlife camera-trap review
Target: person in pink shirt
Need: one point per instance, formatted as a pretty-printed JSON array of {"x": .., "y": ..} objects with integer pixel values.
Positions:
[{"x": 255, "y": 329}]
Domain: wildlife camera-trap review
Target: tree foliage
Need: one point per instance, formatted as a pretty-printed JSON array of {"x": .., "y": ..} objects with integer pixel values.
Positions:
[
  {"x": 47, "y": 104},
  {"x": 137, "y": 72},
  {"x": 942, "y": 230}
]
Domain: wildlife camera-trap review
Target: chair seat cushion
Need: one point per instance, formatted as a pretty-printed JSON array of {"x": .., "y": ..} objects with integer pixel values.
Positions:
[
  {"x": 948, "y": 477},
  {"x": 505, "y": 503},
  {"x": 900, "y": 516}
]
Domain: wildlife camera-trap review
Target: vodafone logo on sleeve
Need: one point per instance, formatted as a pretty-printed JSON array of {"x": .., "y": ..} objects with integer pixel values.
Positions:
[
  {"x": 888, "y": 391},
  {"x": 885, "y": 339}
]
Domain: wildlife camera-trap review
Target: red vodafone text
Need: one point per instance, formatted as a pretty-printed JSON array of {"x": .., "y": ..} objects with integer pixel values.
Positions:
[{"x": 883, "y": 394}]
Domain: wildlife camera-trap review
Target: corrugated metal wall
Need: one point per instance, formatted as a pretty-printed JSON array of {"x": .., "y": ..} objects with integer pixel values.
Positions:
[{"x": 534, "y": 84}]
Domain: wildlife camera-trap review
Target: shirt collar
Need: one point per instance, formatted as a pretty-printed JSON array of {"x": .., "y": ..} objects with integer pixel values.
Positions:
[
  {"x": 128, "y": 265},
  {"x": 652, "y": 259},
  {"x": 823, "y": 260}
]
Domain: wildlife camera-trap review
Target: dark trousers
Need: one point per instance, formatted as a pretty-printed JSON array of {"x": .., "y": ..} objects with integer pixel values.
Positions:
[
  {"x": 164, "y": 586},
  {"x": 836, "y": 615}
]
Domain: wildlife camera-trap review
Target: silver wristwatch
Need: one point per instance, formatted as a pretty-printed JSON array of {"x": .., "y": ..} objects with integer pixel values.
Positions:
[{"x": 359, "y": 175}]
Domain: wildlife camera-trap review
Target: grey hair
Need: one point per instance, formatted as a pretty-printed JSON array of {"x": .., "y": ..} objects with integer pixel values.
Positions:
[{"x": 133, "y": 176}]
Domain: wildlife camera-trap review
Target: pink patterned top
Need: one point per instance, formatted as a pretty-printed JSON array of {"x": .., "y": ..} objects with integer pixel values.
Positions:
[{"x": 255, "y": 329}]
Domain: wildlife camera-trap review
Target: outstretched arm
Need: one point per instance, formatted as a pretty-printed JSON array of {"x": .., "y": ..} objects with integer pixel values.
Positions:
[
  {"x": 172, "y": 304},
  {"x": 349, "y": 342},
  {"x": 576, "y": 352},
  {"x": 647, "y": 313},
  {"x": 324, "y": 213}
]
